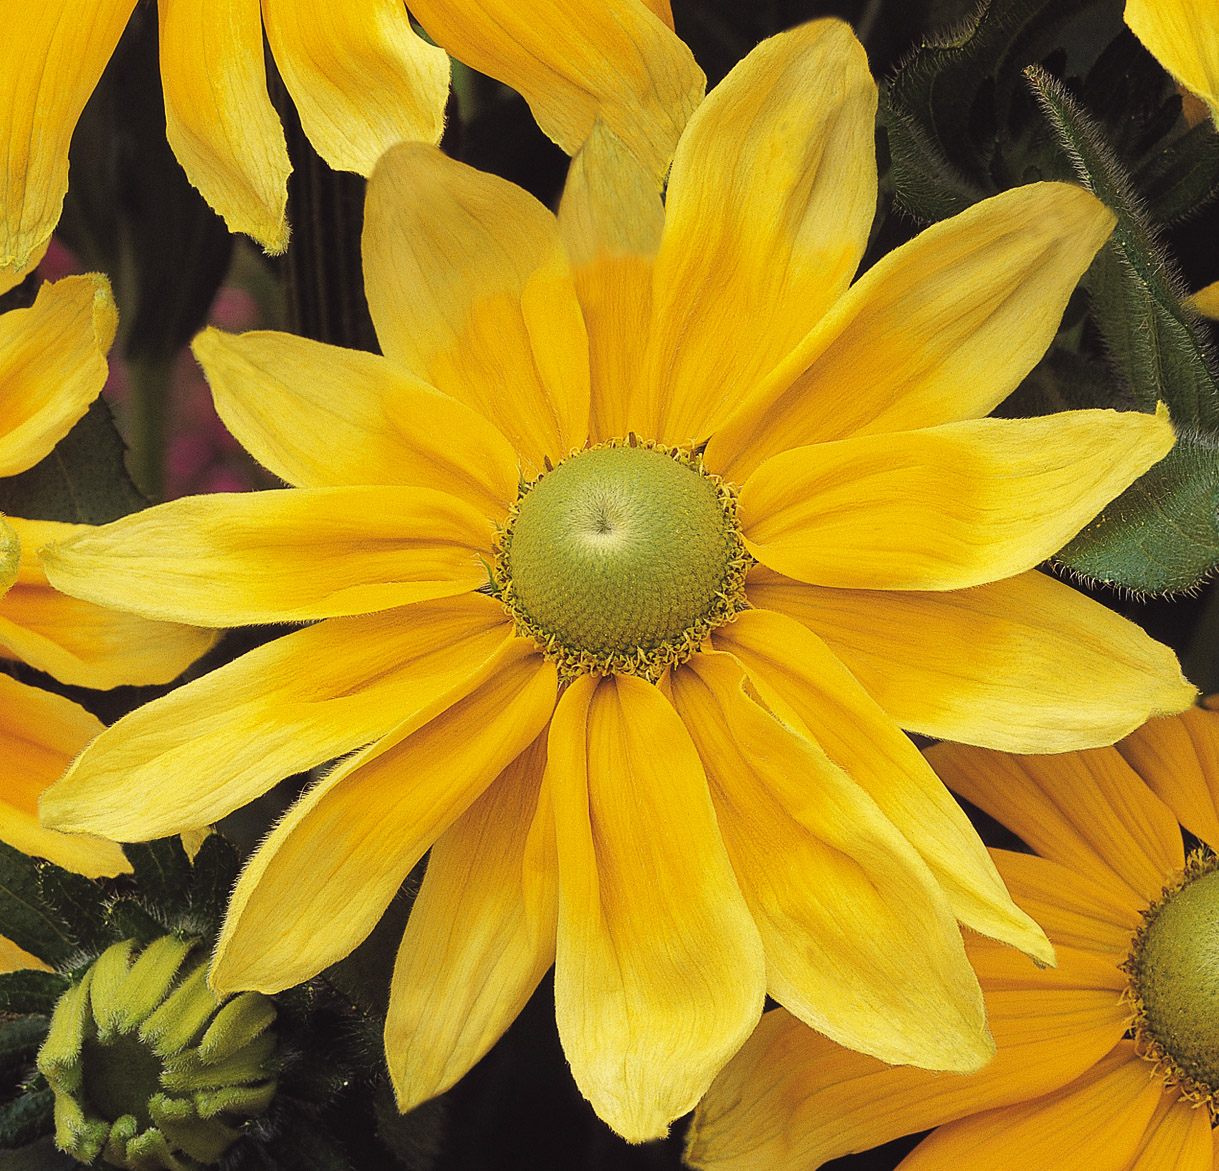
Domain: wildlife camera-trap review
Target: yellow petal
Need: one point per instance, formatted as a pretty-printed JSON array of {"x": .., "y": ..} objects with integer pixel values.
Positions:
[
  {"x": 361, "y": 78},
  {"x": 770, "y": 201},
  {"x": 40, "y": 733},
  {"x": 860, "y": 941},
  {"x": 939, "y": 330},
  {"x": 1178, "y": 1138},
  {"x": 1026, "y": 664},
  {"x": 481, "y": 934},
  {"x": 1086, "y": 810},
  {"x": 10, "y": 556},
  {"x": 799, "y": 678},
  {"x": 611, "y": 218},
  {"x": 285, "y": 707},
  {"x": 792, "y": 1099},
  {"x": 320, "y": 881},
  {"x": 1183, "y": 35},
  {"x": 470, "y": 289},
  {"x": 575, "y": 63},
  {"x": 945, "y": 508},
  {"x": 81, "y": 643},
  {"x": 321, "y": 416},
  {"x": 10, "y": 278},
  {"x": 1117, "y": 1099},
  {"x": 52, "y": 366},
  {"x": 660, "y": 973},
  {"x": 15, "y": 959},
  {"x": 64, "y": 46},
  {"x": 1206, "y": 301},
  {"x": 279, "y": 556},
  {"x": 218, "y": 117},
  {"x": 1178, "y": 759}
]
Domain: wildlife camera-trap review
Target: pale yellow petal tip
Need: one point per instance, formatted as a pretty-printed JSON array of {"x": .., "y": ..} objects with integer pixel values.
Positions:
[
  {"x": 275, "y": 241},
  {"x": 10, "y": 555}
]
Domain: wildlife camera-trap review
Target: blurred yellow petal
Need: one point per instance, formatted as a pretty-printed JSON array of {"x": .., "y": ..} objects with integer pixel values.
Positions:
[
  {"x": 40, "y": 733},
  {"x": 1026, "y": 665},
  {"x": 1206, "y": 301},
  {"x": 1178, "y": 759},
  {"x": 279, "y": 556},
  {"x": 799, "y": 678},
  {"x": 481, "y": 934},
  {"x": 939, "y": 330},
  {"x": 860, "y": 940},
  {"x": 52, "y": 366},
  {"x": 470, "y": 289},
  {"x": 1183, "y": 35},
  {"x": 14, "y": 959},
  {"x": 792, "y": 1099},
  {"x": 322, "y": 878},
  {"x": 617, "y": 60},
  {"x": 1085, "y": 810},
  {"x": 360, "y": 77},
  {"x": 321, "y": 416},
  {"x": 56, "y": 53},
  {"x": 944, "y": 508},
  {"x": 1117, "y": 1099},
  {"x": 285, "y": 707},
  {"x": 218, "y": 117},
  {"x": 82, "y": 643},
  {"x": 660, "y": 974},
  {"x": 611, "y": 218},
  {"x": 767, "y": 215}
]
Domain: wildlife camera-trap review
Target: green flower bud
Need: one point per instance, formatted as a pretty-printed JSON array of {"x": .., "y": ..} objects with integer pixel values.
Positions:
[{"x": 148, "y": 1068}]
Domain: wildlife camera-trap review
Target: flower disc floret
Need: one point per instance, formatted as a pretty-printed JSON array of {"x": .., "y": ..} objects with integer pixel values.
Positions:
[
  {"x": 622, "y": 559},
  {"x": 1174, "y": 982}
]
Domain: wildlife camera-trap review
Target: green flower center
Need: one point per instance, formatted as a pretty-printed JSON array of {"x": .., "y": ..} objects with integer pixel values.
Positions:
[
  {"x": 622, "y": 559},
  {"x": 1174, "y": 981}
]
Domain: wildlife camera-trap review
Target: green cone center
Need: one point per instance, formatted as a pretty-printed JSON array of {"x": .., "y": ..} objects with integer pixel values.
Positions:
[
  {"x": 1177, "y": 979},
  {"x": 621, "y": 551},
  {"x": 120, "y": 1076}
]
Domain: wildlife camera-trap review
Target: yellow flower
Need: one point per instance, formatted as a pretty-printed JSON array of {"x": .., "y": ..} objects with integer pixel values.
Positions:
[
  {"x": 1183, "y": 35},
  {"x": 52, "y": 366},
  {"x": 1132, "y": 922},
  {"x": 360, "y": 77},
  {"x": 757, "y": 822}
]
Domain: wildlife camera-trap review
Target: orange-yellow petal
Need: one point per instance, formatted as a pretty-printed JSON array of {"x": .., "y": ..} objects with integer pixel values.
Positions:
[
  {"x": 82, "y": 643},
  {"x": 767, "y": 215},
  {"x": 16, "y": 959},
  {"x": 1206, "y": 301},
  {"x": 799, "y": 678},
  {"x": 361, "y": 78},
  {"x": 939, "y": 330},
  {"x": 617, "y": 60},
  {"x": 1178, "y": 1138},
  {"x": 52, "y": 366},
  {"x": 470, "y": 289},
  {"x": 278, "y": 556},
  {"x": 10, "y": 278},
  {"x": 1183, "y": 35},
  {"x": 56, "y": 54},
  {"x": 1026, "y": 664},
  {"x": 40, "y": 733},
  {"x": 947, "y": 507},
  {"x": 283, "y": 708},
  {"x": 660, "y": 974},
  {"x": 321, "y": 416},
  {"x": 1178, "y": 759},
  {"x": 481, "y": 934},
  {"x": 218, "y": 117},
  {"x": 860, "y": 941},
  {"x": 1086, "y": 810},
  {"x": 322, "y": 878}
]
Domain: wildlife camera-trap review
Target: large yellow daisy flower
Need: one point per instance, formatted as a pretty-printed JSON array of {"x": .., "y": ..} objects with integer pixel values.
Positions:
[
  {"x": 52, "y": 366},
  {"x": 1133, "y": 923},
  {"x": 695, "y": 457},
  {"x": 360, "y": 77},
  {"x": 1183, "y": 35}
]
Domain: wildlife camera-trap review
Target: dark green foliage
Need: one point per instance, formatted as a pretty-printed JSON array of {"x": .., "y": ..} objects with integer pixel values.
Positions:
[
  {"x": 23, "y": 918},
  {"x": 30, "y": 991},
  {"x": 163, "y": 873},
  {"x": 215, "y": 872},
  {"x": 26, "y": 1118},
  {"x": 78, "y": 903}
]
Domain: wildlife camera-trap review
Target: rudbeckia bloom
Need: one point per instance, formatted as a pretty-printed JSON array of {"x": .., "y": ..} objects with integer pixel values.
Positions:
[
  {"x": 360, "y": 77},
  {"x": 52, "y": 366},
  {"x": 626, "y": 568},
  {"x": 1183, "y": 35},
  {"x": 1109, "y": 1061}
]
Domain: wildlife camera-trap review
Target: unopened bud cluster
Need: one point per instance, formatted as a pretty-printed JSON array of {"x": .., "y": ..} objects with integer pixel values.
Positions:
[{"x": 149, "y": 1070}]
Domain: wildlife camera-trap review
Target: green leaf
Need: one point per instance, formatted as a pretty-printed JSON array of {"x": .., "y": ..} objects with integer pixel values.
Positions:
[
  {"x": 23, "y": 918},
  {"x": 20, "y": 1040},
  {"x": 216, "y": 868},
  {"x": 1182, "y": 176},
  {"x": 163, "y": 873},
  {"x": 25, "y": 1119},
  {"x": 131, "y": 919},
  {"x": 39, "y": 1156},
  {"x": 1162, "y": 534},
  {"x": 77, "y": 902},
  {"x": 29, "y": 991},
  {"x": 926, "y": 184}
]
